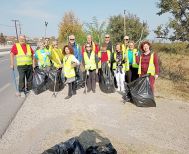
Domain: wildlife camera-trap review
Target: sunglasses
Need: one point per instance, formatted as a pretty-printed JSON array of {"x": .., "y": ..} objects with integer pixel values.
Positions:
[
  {"x": 88, "y": 46},
  {"x": 72, "y": 39},
  {"x": 126, "y": 39},
  {"x": 107, "y": 37}
]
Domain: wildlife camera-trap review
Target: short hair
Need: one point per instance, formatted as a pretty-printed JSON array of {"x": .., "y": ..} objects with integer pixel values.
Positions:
[
  {"x": 70, "y": 49},
  {"x": 143, "y": 43},
  {"x": 104, "y": 45},
  {"x": 71, "y": 35}
]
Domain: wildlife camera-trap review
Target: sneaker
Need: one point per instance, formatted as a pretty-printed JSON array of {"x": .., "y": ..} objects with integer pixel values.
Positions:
[
  {"x": 68, "y": 97},
  {"x": 18, "y": 94},
  {"x": 22, "y": 95}
]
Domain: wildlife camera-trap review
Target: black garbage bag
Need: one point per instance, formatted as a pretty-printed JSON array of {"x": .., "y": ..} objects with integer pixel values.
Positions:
[
  {"x": 72, "y": 146},
  {"x": 106, "y": 79},
  {"x": 141, "y": 93},
  {"x": 39, "y": 82},
  {"x": 55, "y": 79}
]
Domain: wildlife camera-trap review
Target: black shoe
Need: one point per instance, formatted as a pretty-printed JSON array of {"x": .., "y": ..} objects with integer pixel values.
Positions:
[
  {"x": 68, "y": 97},
  {"x": 88, "y": 91},
  {"x": 94, "y": 91},
  {"x": 74, "y": 93}
]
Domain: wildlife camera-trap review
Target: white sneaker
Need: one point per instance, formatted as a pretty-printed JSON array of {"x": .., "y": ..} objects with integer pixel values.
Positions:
[{"x": 22, "y": 95}]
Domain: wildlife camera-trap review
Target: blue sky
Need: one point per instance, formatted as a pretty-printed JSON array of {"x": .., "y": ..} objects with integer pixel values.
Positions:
[{"x": 33, "y": 13}]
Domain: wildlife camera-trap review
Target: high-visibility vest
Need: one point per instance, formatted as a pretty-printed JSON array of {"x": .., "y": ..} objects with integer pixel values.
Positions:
[
  {"x": 69, "y": 71},
  {"x": 21, "y": 57},
  {"x": 43, "y": 61},
  {"x": 124, "y": 48},
  {"x": 56, "y": 57},
  {"x": 134, "y": 64},
  {"x": 90, "y": 63},
  {"x": 151, "y": 66},
  {"x": 114, "y": 67},
  {"x": 100, "y": 55}
]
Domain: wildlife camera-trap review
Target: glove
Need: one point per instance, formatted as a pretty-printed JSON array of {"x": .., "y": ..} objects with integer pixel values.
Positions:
[
  {"x": 96, "y": 71},
  {"x": 87, "y": 72}
]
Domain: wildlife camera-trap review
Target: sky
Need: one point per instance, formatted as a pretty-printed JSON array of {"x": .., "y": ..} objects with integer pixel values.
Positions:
[{"x": 32, "y": 14}]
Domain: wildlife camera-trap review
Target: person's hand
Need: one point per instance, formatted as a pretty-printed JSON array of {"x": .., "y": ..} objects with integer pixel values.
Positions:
[
  {"x": 156, "y": 76},
  {"x": 117, "y": 60},
  {"x": 87, "y": 72},
  {"x": 74, "y": 65},
  {"x": 136, "y": 54},
  {"x": 96, "y": 71},
  {"x": 12, "y": 67}
]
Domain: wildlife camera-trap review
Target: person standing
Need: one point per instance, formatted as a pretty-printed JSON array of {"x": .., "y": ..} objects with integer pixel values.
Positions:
[
  {"x": 148, "y": 63},
  {"x": 24, "y": 58},
  {"x": 130, "y": 64},
  {"x": 76, "y": 48},
  {"x": 69, "y": 63},
  {"x": 119, "y": 67},
  {"x": 90, "y": 61},
  {"x": 94, "y": 46},
  {"x": 125, "y": 45},
  {"x": 42, "y": 57},
  {"x": 56, "y": 55}
]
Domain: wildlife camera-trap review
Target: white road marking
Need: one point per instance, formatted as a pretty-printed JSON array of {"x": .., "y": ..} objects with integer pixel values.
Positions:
[{"x": 4, "y": 87}]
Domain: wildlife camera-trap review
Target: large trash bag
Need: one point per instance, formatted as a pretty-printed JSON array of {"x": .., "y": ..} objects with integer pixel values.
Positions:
[
  {"x": 106, "y": 79},
  {"x": 55, "y": 80},
  {"x": 72, "y": 146},
  {"x": 80, "y": 78},
  {"x": 39, "y": 81},
  {"x": 141, "y": 93}
]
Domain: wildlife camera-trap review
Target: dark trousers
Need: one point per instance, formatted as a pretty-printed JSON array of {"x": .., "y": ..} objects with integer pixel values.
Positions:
[
  {"x": 132, "y": 74},
  {"x": 71, "y": 88},
  {"x": 25, "y": 72},
  {"x": 91, "y": 80}
]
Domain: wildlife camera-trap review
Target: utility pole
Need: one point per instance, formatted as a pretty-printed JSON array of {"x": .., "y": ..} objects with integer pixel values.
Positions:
[
  {"x": 46, "y": 23},
  {"x": 124, "y": 23},
  {"x": 15, "y": 24},
  {"x": 20, "y": 28}
]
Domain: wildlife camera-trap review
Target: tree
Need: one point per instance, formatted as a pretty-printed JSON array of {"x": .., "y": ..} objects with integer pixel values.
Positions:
[
  {"x": 70, "y": 25},
  {"x": 133, "y": 28},
  {"x": 96, "y": 29},
  {"x": 179, "y": 23}
]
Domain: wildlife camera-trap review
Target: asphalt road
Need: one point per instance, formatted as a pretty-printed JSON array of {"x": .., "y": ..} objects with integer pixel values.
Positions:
[{"x": 9, "y": 103}]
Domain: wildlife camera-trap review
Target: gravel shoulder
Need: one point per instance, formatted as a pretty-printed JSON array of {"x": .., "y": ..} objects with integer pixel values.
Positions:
[{"x": 44, "y": 121}]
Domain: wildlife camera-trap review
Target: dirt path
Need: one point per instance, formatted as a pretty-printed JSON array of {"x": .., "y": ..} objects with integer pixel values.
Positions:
[{"x": 44, "y": 121}]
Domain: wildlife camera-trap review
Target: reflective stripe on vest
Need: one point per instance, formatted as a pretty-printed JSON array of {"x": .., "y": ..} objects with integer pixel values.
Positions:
[
  {"x": 151, "y": 67},
  {"x": 90, "y": 63},
  {"x": 43, "y": 61},
  {"x": 114, "y": 67},
  {"x": 100, "y": 56},
  {"x": 21, "y": 57},
  {"x": 69, "y": 72}
]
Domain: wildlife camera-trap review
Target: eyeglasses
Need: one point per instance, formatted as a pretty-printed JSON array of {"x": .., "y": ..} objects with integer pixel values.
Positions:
[
  {"x": 88, "y": 46},
  {"x": 126, "y": 39},
  {"x": 72, "y": 39}
]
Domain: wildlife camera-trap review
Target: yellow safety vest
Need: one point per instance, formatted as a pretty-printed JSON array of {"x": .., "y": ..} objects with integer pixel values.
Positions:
[
  {"x": 100, "y": 55},
  {"x": 43, "y": 61},
  {"x": 21, "y": 57},
  {"x": 115, "y": 63},
  {"x": 134, "y": 64},
  {"x": 90, "y": 63},
  {"x": 124, "y": 48},
  {"x": 151, "y": 67},
  {"x": 69, "y": 72},
  {"x": 56, "y": 56}
]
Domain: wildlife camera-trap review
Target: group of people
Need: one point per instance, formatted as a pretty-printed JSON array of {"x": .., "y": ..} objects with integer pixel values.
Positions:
[{"x": 125, "y": 61}]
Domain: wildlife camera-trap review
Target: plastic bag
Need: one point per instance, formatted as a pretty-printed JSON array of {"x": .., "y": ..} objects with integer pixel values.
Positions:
[
  {"x": 39, "y": 81},
  {"x": 72, "y": 146},
  {"x": 106, "y": 79},
  {"x": 80, "y": 78},
  {"x": 55, "y": 79},
  {"x": 141, "y": 93}
]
